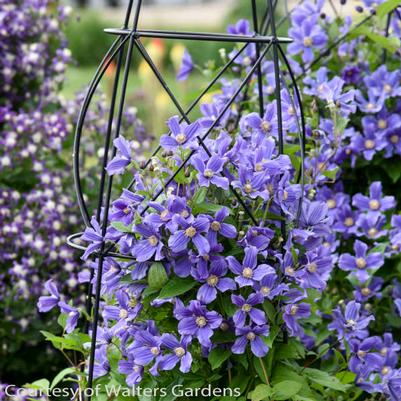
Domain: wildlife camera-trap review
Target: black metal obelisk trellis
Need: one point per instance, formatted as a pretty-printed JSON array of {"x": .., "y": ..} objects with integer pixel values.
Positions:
[{"x": 130, "y": 37}]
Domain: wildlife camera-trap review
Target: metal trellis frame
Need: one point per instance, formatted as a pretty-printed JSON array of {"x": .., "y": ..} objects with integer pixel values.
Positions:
[{"x": 130, "y": 39}]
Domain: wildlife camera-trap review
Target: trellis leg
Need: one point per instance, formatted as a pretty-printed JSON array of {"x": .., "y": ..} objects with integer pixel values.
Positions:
[
  {"x": 109, "y": 183},
  {"x": 302, "y": 130},
  {"x": 259, "y": 69},
  {"x": 276, "y": 63}
]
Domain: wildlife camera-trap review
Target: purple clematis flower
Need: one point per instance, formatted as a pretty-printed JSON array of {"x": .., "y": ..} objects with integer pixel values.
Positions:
[
  {"x": 369, "y": 143},
  {"x": 124, "y": 208},
  {"x": 209, "y": 172},
  {"x": 314, "y": 217},
  {"x": 266, "y": 125},
  {"x": 127, "y": 310},
  {"x": 363, "y": 356},
  {"x": 213, "y": 279},
  {"x": 376, "y": 201},
  {"x": 270, "y": 286},
  {"x": 373, "y": 104},
  {"x": 397, "y": 303},
  {"x": 306, "y": 9},
  {"x": 72, "y": 316},
  {"x": 94, "y": 235},
  {"x": 333, "y": 94},
  {"x": 258, "y": 237},
  {"x": 180, "y": 353},
  {"x": 48, "y": 302},
  {"x": 294, "y": 312},
  {"x": 392, "y": 384},
  {"x": 240, "y": 28},
  {"x": 186, "y": 66},
  {"x": 383, "y": 82},
  {"x": 361, "y": 263},
  {"x": 290, "y": 111},
  {"x": 315, "y": 87},
  {"x": 351, "y": 74},
  {"x": 251, "y": 335},
  {"x": 150, "y": 246},
  {"x": 133, "y": 371},
  {"x": 307, "y": 37},
  {"x": 174, "y": 205},
  {"x": 248, "y": 272},
  {"x": 373, "y": 289},
  {"x": 345, "y": 220},
  {"x": 123, "y": 158},
  {"x": 217, "y": 226},
  {"x": 351, "y": 323},
  {"x": 102, "y": 365},
  {"x": 251, "y": 184},
  {"x": 316, "y": 271},
  {"x": 195, "y": 320},
  {"x": 145, "y": 348},
  {"x": 247, "y": 309},
  {"x": 191, "y": 231},
  {"x": 181, "y": 134},
  {"x": 371, "y": 225}
]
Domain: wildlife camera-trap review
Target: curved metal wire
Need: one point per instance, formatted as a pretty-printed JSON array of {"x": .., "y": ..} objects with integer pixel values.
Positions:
[
  {"x": 301, "y": 128},
  {"x": 106, "y": 62}
]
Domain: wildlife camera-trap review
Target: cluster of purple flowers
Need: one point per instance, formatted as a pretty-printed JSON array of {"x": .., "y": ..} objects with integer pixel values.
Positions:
[
  {"x": 307, "y": 34},
  {"x": 358, "y": 105},
  {"x": 35, "y": 212},
  {"x": 205, "y": 278},
  {"x": 193, "y": 244}
]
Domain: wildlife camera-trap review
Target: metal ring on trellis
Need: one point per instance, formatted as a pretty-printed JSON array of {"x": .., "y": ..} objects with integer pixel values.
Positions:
[{"x": 263, "y": 43}]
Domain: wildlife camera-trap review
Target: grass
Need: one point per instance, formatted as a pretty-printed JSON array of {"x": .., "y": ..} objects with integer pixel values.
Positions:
[
  {"x": 76, "y": 80},
  {"x": 144, "y": 92}
]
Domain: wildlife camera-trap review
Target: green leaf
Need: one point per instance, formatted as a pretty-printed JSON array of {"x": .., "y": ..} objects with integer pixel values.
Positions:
[
  {"x": 391, "y": 44},
  {"x": 261, "y": 392},
  {"x": 293, "y": 349},
  {"x": 218, "y": 356},
  {"x": 62, "y": 320},
  {"x": 240, "y": 381},
  {"x": 286, "y": 389},
  {"x": 228, "y": 307},
  {"x": 346, "y": 377},
  {"x": 42, "y": 384},
  {"x": 157, "y": 276},
  {"x": 61, "y": 375},
  {"x": 200, "y": 196},
  {"x": 177, "y": 286},
  {"x": 269, "y": 340},
  {"x": 119, "y": 226},
  {"x": 392, "y": 168},
  {"x": 284, "y": 373},
  {"x": 206, "y": 207},
  {"x": 260, "y": 367},
  {"x": 331, "y": 174},
  {"x": 270, "y": 310},
  {"x": 386, "y": 7},
  {"x": 325, "y": 379},
  {"x": 72, "y": 341}
]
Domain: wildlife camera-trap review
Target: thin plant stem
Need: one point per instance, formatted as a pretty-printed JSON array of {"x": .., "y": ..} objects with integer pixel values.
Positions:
[{"x": 264, "y": 371}]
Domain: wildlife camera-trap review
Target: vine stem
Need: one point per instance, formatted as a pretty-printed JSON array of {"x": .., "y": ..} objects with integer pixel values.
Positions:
[
  {"x": 264, "y": 371},
  {"x": 318, "y": 356}
]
